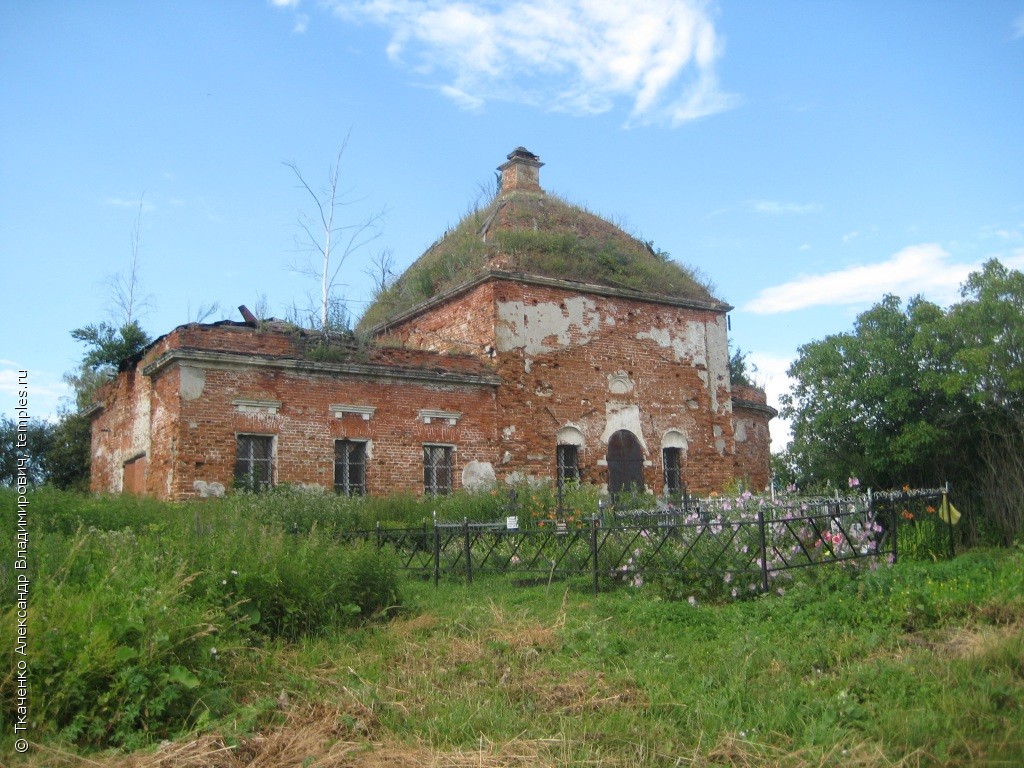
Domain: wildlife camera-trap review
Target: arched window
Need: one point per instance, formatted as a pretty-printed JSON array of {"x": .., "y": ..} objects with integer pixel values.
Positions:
[
  {"x": 567, "y": 456},
  {"x": 673, "y": 448}
]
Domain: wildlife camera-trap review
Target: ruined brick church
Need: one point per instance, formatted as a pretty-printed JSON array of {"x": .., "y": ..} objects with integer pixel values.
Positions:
[{"x": 534, "y": 342}]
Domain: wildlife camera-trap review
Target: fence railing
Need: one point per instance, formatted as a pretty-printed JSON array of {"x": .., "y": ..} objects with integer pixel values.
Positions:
[{"x": 740, "y": 545}]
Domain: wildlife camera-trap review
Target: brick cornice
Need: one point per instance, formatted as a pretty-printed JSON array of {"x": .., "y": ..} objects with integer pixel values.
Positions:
[
  {"x": 210, "y": 359},
  {"x": 751, "y": 405},
  {"x": 548, "y": 282}
]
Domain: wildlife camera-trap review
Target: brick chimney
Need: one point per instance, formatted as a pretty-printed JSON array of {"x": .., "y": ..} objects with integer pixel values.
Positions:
[{"x": 521, "y": 173}]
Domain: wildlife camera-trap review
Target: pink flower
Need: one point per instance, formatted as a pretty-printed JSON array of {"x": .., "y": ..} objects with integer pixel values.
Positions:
[{"x": 853, "y": 482}]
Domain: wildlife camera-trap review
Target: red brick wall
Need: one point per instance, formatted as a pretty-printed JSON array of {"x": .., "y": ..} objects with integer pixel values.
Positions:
[
  {"x": 184, "y": 420},
  {"x": 596, "y": 363},
  {"x": 753, "y": 442},
  {"x": 465, "y": 324},
  {"x": 555, "y": 364},
  {"x": 305, "y": 429}
]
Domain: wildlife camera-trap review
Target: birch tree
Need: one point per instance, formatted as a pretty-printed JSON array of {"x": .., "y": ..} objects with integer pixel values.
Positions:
[{"x": 327, "y": 239}]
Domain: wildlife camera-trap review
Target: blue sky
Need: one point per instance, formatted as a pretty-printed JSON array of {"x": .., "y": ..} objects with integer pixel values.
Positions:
[{"x": 807, "y": 157}]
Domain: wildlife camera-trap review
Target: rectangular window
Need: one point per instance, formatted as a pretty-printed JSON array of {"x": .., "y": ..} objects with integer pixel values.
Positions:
[
  {"x": 437, "y": 469},
  {"x": 568, "y": 460},
  {"x": 673, "y": 473},
  {"x": 350, "y": 467},
  {"x": 254, "y": 462}
]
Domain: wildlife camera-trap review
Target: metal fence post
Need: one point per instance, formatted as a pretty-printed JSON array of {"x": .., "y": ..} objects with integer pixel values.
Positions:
[
  {"x": 895, "y": 532},
  {"x": 466, "y": 545},
  {"x": 378, "y": 536},
  {"x": 437, "y": 552},
  {"x": 949, "y": 522},
  {"x": 764, "y": 549},
  {"x": 593, "y": 552}
]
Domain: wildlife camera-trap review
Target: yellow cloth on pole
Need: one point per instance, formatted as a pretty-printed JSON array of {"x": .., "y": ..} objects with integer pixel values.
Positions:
[{"x": 947, "y": 512}]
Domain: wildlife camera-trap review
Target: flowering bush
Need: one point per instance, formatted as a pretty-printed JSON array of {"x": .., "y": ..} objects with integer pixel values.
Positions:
[{"x": 713, "y": 549}]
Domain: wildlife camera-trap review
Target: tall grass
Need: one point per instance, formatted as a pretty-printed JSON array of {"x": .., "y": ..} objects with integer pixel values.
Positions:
[
  {"x": 138, "y": 609},
  {"x": 219, "y": 620}
]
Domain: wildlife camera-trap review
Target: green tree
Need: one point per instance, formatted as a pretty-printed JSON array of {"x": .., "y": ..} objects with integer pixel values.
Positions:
[
  {"x": 741, "y": 370},
  {"x": 109, "y": 346},
  {"x": 68, "y": 456},
  {"x": 858, "y": 407},
  {"x": 34, "y": 444},
  {"x": 921, "y": 395}
]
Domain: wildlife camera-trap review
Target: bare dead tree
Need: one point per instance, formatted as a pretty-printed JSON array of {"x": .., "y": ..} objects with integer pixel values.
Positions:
[
  {"x": 127, "y": 301},
  {"x": 381, "y": 271},
  {"x": 327, "y": 242},
  {"x": 203, "y": 312}
]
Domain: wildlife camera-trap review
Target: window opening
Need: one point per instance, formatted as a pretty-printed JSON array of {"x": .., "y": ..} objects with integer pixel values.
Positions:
[
  {"x": 437, "y": 469},
  {"x": 350, "y": 467},
  {"x": 254, "y": 462}
]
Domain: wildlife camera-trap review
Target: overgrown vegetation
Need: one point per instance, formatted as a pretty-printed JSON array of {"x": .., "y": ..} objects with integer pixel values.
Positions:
[
  {"x": 141, "y": 611},
  {"x": 539, "y": 235},
  {"x": 924, "y": 395},
  {"x": 238, "y": 629}
]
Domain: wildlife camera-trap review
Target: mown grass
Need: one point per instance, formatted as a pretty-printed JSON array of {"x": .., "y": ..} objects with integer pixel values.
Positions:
[{"x": 921, "y": 663}]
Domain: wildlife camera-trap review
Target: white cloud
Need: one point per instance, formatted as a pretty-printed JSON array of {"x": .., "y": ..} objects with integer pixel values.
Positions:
[
  {"x": 463, "y": 99},
  {"x": 775, "y": 207},
  {"x": 576, "y": 56},
  {"x": 923, "y": 269},
  {"x": 284, "y": 3},
  {"x": 771, "y": 374},
  {"x": 44, "y": 391},
  {"x": 1015, "y": 260},
  {"x": 1018, "y": 27},
  {"x": 301, "y": 23}
]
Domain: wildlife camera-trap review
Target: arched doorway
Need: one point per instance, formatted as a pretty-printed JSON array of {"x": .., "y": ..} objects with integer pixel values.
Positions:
[{"x": 625, "y": 463}]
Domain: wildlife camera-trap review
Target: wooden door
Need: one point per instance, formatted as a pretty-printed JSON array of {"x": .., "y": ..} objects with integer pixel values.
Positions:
[{"x": 625, "y": 463}]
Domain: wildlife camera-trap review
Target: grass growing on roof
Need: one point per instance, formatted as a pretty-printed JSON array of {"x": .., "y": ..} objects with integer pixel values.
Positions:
[{"x": 538, "y": 235}]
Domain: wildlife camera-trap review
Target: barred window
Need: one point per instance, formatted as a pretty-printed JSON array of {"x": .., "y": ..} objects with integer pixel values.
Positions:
[
  {"x": 437, "y": 469},
  {"x": 568, "y": 461},
  {"x": 350, "y": 467},
  {"x": 673, "y": 474},
  {"x": 254, "y": 462}
]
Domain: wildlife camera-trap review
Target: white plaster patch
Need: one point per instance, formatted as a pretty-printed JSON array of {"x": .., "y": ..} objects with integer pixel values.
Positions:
[
  {"x": 478, "y": 476},
  {"x": 719, "y": 440},
  {"x": 191, "y": 382},
  {"x": 532, "y": 327},
  {"x": 674, "y": 439},
  {"x": 740, "y": 431},
  {"x": 518, "y": 478},
  {"x": 687, "y": 345},
  {"x": 141, "y": 424},
  {"x": 619, "y": 383},
  {"x": 507, "y": 432},
  {"x": 623, "y": 416},
  {"x": 208, "y": 490},
  {"x": 570, "y": 435}
]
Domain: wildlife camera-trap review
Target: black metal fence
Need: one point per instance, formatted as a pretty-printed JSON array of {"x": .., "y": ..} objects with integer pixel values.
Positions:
[{"x": 729, "y": 546}]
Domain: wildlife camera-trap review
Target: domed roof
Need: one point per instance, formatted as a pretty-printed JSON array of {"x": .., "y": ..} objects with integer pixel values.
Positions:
[{"x": 524, "y": 230}]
